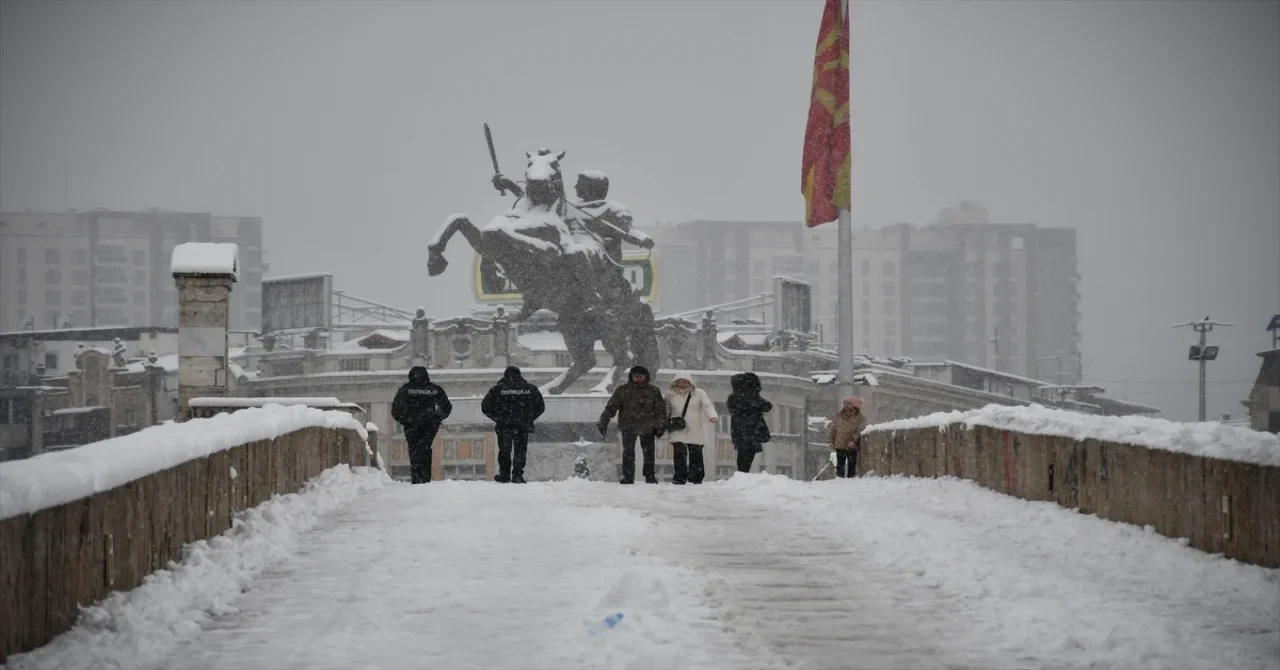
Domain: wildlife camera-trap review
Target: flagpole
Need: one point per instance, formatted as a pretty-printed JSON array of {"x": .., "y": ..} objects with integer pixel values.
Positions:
[{"x": 844, "y": 256}]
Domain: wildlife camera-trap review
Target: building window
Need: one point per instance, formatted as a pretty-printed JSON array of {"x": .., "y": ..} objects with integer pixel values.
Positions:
[
  {"x": 139, "y": 298},
  {"x": 22, "y": 254},
  {"x": 79, "y": 297},
  {"x": 891, "y": 328},
  {"x": 890, "y": 269},
  {"x": 866, "y": 288},
  {"x": 353, "y": 365},
  {"x": 79, "y": 318},
  {"x": 139, "y": 256},
  {"x": 51, "y": 318},
  {"x": 866, "y": 308},
  {"x": 53, "y": 298},
  {"x": 866, "y": 268},
  {"x": 52, "y": 257},
  {"x": 891, "y": 307},
  {"x": 80, "y": 257},
  {"x": 758, "y": 267},
  {"x": 22, "y": 296},
  {"x": 866, "y": 328},
  {"x": 470, "y": 472},
  {"x": 22, "y": 276},
  {"x": 80, "y": 277},
  {"x": 52, "y": 276},
  {"x": 890, "y": 289},
  {"x": 51, "y": 361},
  {"x": 889, "y": 348},
  {"x": 139, "y": 277}
]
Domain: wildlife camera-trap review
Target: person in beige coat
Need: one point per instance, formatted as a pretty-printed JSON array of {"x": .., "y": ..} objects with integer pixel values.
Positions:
[
  {"x": 695, "y": 407},
  {"x": 845, "y": 436}
]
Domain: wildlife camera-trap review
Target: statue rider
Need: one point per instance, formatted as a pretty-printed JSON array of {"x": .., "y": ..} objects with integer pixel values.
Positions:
[
  {"x": 592, "y": 215},
  {"x": 609, "y": 221}
]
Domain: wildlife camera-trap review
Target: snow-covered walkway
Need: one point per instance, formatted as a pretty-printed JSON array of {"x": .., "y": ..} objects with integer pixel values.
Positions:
[{"x": 756, "y": 572}]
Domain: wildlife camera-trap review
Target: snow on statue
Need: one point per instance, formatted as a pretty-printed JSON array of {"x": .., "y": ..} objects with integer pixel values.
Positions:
[{"x": 564, "y": 257}]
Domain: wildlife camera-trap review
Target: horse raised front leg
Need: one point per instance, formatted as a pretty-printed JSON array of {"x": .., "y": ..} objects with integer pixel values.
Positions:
[{"x": 436, "y": 262}]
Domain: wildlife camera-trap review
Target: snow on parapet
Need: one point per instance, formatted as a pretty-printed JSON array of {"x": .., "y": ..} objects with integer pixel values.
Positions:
[
  {"x": 213, "y": 258},
  {"x": 1209, "y": 439},
  {"x": 52, "y": 479},
  {"x": 331, "y": 403}
]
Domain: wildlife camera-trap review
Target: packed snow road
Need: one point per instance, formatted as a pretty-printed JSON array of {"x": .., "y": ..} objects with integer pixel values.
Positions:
[{"x": 756, "y": 572}]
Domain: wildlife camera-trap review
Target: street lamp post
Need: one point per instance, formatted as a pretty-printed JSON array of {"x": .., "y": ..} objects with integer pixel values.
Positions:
[{"x": 1203, "y": 352}]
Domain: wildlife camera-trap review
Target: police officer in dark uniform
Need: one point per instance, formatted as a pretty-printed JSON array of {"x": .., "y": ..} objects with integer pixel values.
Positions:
[
  {"x": 513, "y": 404},
  {"x": 420, "y": 407}
]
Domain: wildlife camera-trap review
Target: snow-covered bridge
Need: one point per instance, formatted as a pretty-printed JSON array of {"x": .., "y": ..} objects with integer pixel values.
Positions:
[
  {"x": 755, "y": 572},
  {"x": 759, "y": 571}
]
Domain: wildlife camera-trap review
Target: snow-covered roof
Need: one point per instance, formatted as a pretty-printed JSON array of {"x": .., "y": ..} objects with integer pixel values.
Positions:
[
  {"x": 1210, "y": 439},
  {"x": 362, "y": 343},
  {"x": 262, "y": 402},
  {"x": 297, "y": 277},
  {"x": 547, "y": 341},
  {"x": 77, "y": 410},
  {"x": 985, "y": 371},
  {"x": 90, "y": 334},
  {"x": 214, "y": 258},
  {"x": 169, "y": 363}
]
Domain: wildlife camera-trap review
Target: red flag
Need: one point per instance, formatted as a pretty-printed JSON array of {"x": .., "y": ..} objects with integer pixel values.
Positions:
[{"x": 826, "y": 163}]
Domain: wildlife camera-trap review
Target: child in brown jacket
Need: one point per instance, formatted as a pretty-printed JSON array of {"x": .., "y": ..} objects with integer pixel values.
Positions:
[{"x": 845, "y": 436}]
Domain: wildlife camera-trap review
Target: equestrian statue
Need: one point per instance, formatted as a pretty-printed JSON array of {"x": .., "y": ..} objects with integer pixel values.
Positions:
[{"x": 565, "y": 256}]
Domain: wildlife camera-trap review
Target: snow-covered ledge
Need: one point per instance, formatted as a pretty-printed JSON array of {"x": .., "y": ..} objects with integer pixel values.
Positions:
[
  {"x": 205, "y": 273},
  {"x": 206, "y": 258}
]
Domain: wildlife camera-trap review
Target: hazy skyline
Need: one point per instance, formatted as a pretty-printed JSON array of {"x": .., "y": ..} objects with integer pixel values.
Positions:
[{"x": 1152, "y": 128}]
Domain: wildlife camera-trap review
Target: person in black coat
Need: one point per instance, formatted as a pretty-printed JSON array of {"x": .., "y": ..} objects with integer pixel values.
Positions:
[
  {"x": 747, "y": 426},
  {"x": 513, "y": 404},
  {"x": 420, "y": 407}
]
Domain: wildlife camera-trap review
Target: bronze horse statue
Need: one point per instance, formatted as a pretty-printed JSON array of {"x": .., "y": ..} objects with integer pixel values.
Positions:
[{"x": 558, "y": 270}]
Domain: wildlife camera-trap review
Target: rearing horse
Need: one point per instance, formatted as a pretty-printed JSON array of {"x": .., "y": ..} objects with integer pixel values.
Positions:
[{"x": 551, "y": 267}]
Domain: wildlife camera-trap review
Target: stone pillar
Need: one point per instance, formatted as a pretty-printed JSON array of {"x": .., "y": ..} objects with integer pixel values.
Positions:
[
  {"x": 204, "y": 315},
  {"x": 501, "y": 338},
  {"x": 372, "y": 429},
  {"x": 153, "y": 382},
  {"x": 37, "y": 422},
  {"x": 709, "y": 336},
  {"x": 420, "y": 339}
]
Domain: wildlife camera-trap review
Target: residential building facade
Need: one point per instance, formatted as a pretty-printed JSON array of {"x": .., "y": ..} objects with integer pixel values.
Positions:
[
  {"x": 1003, "y": 296},
  {"x": 111, "y": 268}
]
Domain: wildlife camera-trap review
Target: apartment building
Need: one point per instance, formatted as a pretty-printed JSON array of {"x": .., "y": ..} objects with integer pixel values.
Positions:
[
  {"x": 1003, "y": 296},
  {"x": 110, "y": 268}
]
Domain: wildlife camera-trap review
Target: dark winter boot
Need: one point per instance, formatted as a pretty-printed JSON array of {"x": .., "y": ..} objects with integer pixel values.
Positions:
[
  {"x": 626, "y": 481},
  {"x": 501, "y": 479},
  {"x": 517, "y": 479},
  {"x": 651, "y": 480}
]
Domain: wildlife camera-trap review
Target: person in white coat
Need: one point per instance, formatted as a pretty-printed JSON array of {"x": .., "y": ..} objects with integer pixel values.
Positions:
[{"x": 695, "y": 409}]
